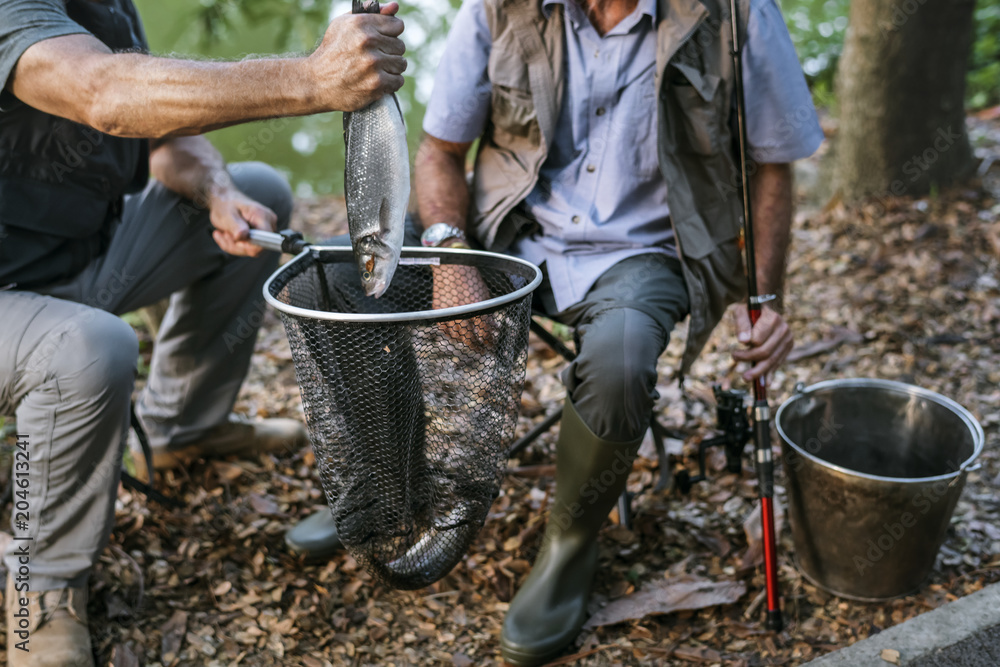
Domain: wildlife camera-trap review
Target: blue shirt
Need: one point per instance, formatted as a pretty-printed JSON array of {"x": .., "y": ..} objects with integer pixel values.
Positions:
[{"x": 600, "y": 197}]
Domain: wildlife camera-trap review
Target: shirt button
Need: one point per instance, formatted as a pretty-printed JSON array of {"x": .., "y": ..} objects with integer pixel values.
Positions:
[
  {"x": 600, "y": 111},
  {"x": 576, "y": 219},
  {"x": 591, "y": 168}
]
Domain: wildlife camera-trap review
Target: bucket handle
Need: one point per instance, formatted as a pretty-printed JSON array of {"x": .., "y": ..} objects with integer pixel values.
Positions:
[{"x": 973, "y": 468}]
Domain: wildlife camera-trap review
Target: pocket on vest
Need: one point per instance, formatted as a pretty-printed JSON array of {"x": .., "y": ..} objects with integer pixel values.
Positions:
[
  {"x": 696, "y": 132},
  {"x": 513, "y": 115}
]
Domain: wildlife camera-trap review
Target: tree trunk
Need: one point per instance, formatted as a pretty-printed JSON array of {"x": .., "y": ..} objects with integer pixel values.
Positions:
[{"x": 901, "y": 90}]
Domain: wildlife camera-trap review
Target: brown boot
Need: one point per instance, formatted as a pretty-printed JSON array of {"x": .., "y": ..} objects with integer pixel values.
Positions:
[
  {"x": 237, "y": 437},
  {"x": 47, "y": 628}
]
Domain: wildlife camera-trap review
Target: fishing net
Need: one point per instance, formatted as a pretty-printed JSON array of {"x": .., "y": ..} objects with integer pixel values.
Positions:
[{"x": 411, "y": 399}]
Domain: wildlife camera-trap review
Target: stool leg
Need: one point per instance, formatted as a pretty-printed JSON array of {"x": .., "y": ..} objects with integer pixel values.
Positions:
[{"x": 625, "y": 509}]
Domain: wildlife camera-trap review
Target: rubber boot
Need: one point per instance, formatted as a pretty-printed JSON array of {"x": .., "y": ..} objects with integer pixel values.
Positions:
[{"x": 548, "y": 611}]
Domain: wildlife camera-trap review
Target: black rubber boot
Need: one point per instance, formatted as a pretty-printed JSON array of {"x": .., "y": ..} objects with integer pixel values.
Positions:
[
  {"x": 315, "y": 537},
  {"x": 548, "y": 611}
]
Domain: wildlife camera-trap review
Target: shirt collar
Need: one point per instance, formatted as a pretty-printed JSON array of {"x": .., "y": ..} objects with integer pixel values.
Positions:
[{"x": 643, "y": 8}]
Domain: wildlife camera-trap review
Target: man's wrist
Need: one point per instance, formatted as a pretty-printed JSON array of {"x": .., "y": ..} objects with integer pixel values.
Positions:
[{"x": 218, "y": 185}]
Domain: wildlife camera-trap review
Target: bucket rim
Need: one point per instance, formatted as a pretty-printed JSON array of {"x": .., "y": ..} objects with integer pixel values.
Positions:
[
  {"x": 453, "y": 312},
  {"x": 978, "y": 437}
]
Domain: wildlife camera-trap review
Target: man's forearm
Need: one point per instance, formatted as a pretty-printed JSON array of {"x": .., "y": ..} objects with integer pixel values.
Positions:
[
  {"x": 191, "y": 167},
  {"x": 137, "y": 95},
  {"x": 439, "y": 177},
  {"x": 771, "y": 189}
]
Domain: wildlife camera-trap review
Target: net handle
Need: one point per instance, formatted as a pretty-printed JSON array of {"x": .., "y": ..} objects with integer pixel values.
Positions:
[{"x": 285, "y": 241}]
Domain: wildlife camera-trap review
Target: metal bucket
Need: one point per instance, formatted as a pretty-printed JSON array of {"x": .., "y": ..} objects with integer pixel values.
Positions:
[{"x": 874, "y": 471}]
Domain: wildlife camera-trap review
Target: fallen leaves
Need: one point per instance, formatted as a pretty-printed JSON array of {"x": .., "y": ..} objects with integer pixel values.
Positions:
[
  {"x": 909, "y": 291},
  {"x": 664, "y": 597}
]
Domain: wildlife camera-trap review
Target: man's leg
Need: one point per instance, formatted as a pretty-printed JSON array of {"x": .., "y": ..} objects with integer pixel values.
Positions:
[
  {"x": 623, "y": 327},
  {"x": 203, "y": 350},
  {"x": 163, "y": 247},
  {"x": 68, "y": 370}
]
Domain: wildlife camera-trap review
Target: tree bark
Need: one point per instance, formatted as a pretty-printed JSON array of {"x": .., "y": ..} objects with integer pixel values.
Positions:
[{"x": 901, "y": 91}]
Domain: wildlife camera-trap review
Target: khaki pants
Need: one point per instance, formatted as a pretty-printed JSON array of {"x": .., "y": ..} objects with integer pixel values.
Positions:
[{"x": 67, "y": 365}]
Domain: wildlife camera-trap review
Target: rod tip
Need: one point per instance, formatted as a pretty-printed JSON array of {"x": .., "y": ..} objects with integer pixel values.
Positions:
[{"x": 774, "y": 622}]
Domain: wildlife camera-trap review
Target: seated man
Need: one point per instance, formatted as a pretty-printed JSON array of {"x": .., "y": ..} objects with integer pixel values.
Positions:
[
  {"x": 85, "y": 118},
  {"x": 605, "y": 156}
]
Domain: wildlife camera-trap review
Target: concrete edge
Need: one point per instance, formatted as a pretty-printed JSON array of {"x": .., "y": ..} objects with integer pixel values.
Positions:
[{"x": 923, "y": 634}]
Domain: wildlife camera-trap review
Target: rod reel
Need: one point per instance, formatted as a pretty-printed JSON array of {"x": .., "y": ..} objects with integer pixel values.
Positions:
[{"x": 732, "y": 418}]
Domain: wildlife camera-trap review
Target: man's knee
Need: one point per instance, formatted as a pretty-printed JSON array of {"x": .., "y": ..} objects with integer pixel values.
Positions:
[
  {"x": 263, "y": 183},
  {"x": 93, "y": 355},
  {"x": 614, "y": 377}
]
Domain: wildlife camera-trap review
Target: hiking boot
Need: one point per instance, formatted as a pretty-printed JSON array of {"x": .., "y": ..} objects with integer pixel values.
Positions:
[
  {"x": 49, "y": 629},
  {"x": 236, "y": 437}
]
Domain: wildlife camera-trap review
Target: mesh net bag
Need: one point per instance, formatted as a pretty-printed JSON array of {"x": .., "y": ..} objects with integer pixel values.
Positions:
[{"x": 411, "y": 399}]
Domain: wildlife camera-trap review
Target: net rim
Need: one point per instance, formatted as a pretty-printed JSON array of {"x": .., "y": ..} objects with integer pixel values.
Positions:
[{"x": 418, "y": 315}]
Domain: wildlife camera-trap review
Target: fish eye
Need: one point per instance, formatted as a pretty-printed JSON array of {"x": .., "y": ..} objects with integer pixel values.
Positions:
[{"x": 367, "y": 275}]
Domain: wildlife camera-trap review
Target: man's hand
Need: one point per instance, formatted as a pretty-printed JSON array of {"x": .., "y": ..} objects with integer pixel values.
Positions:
[
  {"x": 233, "y": 214},
  {"x": 769, "y": 341},
  {"x": 360, "y": 59},
  {"x": 459, "y": 286}
]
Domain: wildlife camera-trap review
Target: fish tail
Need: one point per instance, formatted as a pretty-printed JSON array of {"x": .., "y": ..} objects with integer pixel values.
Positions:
[{"x": 365, "y": 7}]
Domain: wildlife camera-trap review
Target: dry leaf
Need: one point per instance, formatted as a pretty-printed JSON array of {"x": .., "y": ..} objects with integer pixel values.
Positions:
[
  {"x": 265, "y": 505},
  {"x": 665, "y": 596},
  {"x": 173, "y": 637},
  {"x": 754, "y": 555},
  {"x": 697, "y": 654},
  {"x": 890, "y": 655},
  {"x": 123, "y": 656}
]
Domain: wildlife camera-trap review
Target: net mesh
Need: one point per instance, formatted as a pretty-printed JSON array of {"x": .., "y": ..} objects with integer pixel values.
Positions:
[{"x": 410, "y": 420}]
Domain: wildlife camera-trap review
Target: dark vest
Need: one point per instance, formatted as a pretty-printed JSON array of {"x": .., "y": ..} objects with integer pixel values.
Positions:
[{"x": 62, "y": 183}]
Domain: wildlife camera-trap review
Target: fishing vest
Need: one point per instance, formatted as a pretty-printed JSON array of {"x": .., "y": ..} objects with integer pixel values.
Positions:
[
  {"x": 62, "y": 183},
  {"x": 694, "y": 88}
]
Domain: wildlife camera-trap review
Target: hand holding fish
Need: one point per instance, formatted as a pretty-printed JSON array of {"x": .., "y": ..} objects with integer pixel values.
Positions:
[{"x": 359, "y": 60}]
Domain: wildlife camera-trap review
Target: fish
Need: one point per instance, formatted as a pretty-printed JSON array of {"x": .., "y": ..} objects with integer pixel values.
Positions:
[{"x": 376, "y": 184}]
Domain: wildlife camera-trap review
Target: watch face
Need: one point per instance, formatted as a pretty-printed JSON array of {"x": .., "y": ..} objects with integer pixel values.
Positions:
[{"x": 438, "y": 232}]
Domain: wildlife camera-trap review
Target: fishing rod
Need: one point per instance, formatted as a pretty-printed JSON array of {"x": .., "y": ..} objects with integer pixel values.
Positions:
[{"x": 761, "y": 411}]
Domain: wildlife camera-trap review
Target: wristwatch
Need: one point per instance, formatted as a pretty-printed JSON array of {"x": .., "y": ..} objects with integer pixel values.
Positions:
[{"x": 436, "y": 235}]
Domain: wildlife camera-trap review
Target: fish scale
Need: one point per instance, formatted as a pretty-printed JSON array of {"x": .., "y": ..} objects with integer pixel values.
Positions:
[{"x": 376, "y": 184}]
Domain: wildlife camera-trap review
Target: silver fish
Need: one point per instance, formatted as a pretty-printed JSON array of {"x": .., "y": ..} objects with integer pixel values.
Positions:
[{"x": 376, "y": 184}]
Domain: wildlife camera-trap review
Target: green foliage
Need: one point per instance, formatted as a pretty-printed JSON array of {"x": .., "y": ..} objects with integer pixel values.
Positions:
[
  {"x": 297, "y": 25},
  {"x": 983, "y": 83},
  {"x": 817, "y": 28}
]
